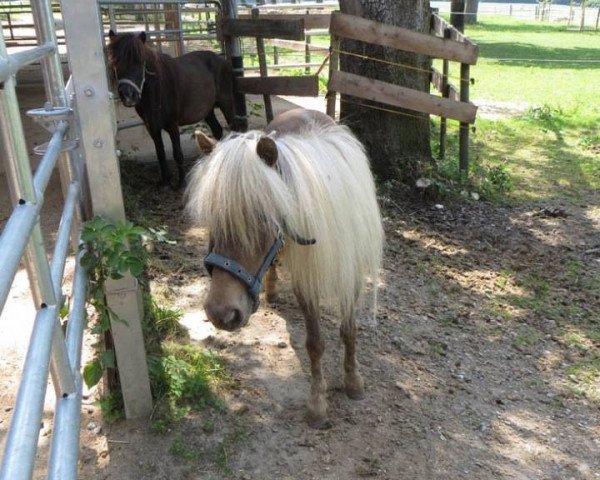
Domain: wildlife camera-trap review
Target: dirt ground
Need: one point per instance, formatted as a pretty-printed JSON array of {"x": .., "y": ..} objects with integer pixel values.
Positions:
[{"x": 469, "y": 372}]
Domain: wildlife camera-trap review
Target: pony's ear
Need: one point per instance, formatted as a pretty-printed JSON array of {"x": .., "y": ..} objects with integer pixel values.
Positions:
[
  {"x": 204, "y": 142},
  {"x": 143, "y": 37},
  {"x": 111, "y": 34},
  {"x": 266, "y": 148}
]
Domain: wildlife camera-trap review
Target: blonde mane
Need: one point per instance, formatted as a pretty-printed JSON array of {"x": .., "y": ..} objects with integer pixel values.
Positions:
[{"x": 322, "y": 188}]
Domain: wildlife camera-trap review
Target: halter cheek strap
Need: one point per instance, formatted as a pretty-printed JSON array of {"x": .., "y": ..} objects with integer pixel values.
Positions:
[
  {"x": 132, "y": 84},
  {"x": 252, "y": 282}
]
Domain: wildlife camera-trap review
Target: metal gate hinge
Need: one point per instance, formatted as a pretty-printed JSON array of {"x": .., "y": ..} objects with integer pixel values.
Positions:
[{"x": 49, "y": 116}]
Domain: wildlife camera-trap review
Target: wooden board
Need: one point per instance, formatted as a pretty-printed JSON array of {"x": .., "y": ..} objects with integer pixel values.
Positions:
[
  {"x": 300, "y": 86},
  {"x": 311, "y": 21},
  {"x": 439, "y": 26},
  {"x": 437, "y": 79},
  {"x": 386, "y": 93},
  {"x": 357, "y": 28},
  {"x": 289, "y": 29},
  {"x": 296, "y": 46}
]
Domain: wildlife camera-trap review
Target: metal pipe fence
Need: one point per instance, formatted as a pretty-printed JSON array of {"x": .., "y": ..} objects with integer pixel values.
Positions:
[{"x": 49, "y": 351}]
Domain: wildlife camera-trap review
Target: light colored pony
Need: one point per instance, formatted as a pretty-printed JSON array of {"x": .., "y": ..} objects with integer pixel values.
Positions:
[{"x": 305, "y": 180}]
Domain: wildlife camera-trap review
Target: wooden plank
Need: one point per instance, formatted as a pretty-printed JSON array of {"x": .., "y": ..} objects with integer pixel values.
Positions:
[
  {"x": 439, "y": 26},
  {"x": 299, "y": 86},
  {"x": 386, "y": 93},
  {"x": 311, "y": 21},
  {"x": 97, "y": 146},
  {"x": 357, "y": 28},
  {"x": 289, "y": 29},
  {"x": 296, "y": 46},
  {"x": 437, "y": 79}
]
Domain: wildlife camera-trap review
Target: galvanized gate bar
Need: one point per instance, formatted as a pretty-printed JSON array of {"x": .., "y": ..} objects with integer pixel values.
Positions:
[
  {"x": 61, "y": 248},
  {"x": 47, "y": 349},
  {"x": 13, "y": 63},
  {"x": 64, "y": 449},
  {"x": 23, "y": 189},
  {"x": 48, "y": 163},
  {"x": 21, "y": 446}
]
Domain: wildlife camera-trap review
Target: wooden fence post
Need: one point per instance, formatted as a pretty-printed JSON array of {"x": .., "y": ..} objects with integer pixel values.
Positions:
[
  {"x": 334, "y": 58},
  {"x": 464, "y": 127},
  {"x": 307, "y": 55},
  {"x": 233, "y": 50},
  {"x": 95, "y": 112},
  {"x": 262, "y": 63},
  {"x": 446, "y": 94}
]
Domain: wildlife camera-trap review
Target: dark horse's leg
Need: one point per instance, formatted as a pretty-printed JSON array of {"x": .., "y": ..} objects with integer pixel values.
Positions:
[
  {"x": 173, "y": 131},
  {"x": 315, "y": 346},
  {"x": 215, "y": 126},
  {"x": 165, "y": 176},
  {"x": 227, "y": 107}
]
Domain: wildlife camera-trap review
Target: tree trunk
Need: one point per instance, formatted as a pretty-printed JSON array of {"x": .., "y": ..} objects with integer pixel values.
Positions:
[
  {"x": 471, "y": 12},
  {"x": 398, "y": 143},
  {"x": 457, "y": 17}
]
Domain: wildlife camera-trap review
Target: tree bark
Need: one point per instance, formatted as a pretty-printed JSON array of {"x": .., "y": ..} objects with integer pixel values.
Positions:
[{"x": 398, "y": 143}]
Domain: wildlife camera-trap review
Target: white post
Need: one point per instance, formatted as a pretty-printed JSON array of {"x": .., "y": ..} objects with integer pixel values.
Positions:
[{"x": 95, "y": 112}]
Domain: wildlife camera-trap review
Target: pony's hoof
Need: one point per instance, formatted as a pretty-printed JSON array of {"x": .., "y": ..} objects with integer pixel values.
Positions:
[
  {"x": 318, "y": 423},
  {"x": 354, "y": 393},
  {"x": 354, "y": 387}
]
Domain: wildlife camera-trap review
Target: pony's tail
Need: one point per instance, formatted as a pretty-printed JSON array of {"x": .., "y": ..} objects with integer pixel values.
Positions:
[{"x": 372, "y": 321}]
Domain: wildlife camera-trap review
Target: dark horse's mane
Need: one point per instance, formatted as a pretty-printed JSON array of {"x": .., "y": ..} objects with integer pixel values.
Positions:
[{"x": 128, "y": 49}]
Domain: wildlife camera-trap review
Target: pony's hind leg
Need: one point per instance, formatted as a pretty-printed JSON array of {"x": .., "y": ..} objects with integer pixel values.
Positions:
[
  {"x": 215, "y": 126},
  {"x": 353, "y": 382},
  {"x": 315, "y": 346},
  {"x": 173, "y": 131},
  {"x": 271, "y": 288}
]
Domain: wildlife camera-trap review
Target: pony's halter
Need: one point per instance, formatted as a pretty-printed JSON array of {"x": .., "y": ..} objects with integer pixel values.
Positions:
[
  {"x": 131, "y": 83},
  {"x": 252, "y": 282}
]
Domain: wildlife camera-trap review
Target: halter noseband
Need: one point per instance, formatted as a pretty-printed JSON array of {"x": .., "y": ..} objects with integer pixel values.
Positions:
[
  {"x": 132, "y": 84},
  {"x": 253, "y": 282}
]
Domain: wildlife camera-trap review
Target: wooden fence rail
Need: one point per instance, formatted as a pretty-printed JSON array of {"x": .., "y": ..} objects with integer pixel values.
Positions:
[
  {"x": 453, "y": 46},
  {"x": 275, "y": 28}
]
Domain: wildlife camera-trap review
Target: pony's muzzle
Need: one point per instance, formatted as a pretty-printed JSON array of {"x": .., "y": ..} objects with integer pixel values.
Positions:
[
  {"x": 224, "y": 317},
  {"x": 129, "y": 97}
]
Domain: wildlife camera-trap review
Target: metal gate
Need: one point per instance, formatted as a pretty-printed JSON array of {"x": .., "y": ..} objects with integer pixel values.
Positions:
[{"x": 80, "y": 118}]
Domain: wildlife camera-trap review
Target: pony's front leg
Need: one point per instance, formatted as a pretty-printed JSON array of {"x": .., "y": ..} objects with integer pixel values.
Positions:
[
  {"x": 173, "y": 132},
  {"x": 353, "y": 382},
  {"x": 315, "y": 346},
  {"x": 165, "y": 176}
]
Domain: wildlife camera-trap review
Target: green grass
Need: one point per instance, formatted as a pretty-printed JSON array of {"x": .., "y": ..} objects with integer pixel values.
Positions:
[{"x": 550, "y": 148}]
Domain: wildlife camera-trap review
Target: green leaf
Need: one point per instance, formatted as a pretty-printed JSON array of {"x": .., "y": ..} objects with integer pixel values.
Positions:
[
  {"x": 88, "y": 261},
  {"x": 107, "y": 359},
  {"x": 136, "y": 266},
  {"x": 92, "y": 373}
]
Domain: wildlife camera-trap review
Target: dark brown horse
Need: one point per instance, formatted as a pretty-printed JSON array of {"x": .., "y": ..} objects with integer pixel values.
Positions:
[{"x": 170, "y": 92}]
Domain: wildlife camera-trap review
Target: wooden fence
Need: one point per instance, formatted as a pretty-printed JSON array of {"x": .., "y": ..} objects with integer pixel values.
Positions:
[
  {"x": 278, "y": 28},
  {"x": 450, "y": 45}
]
